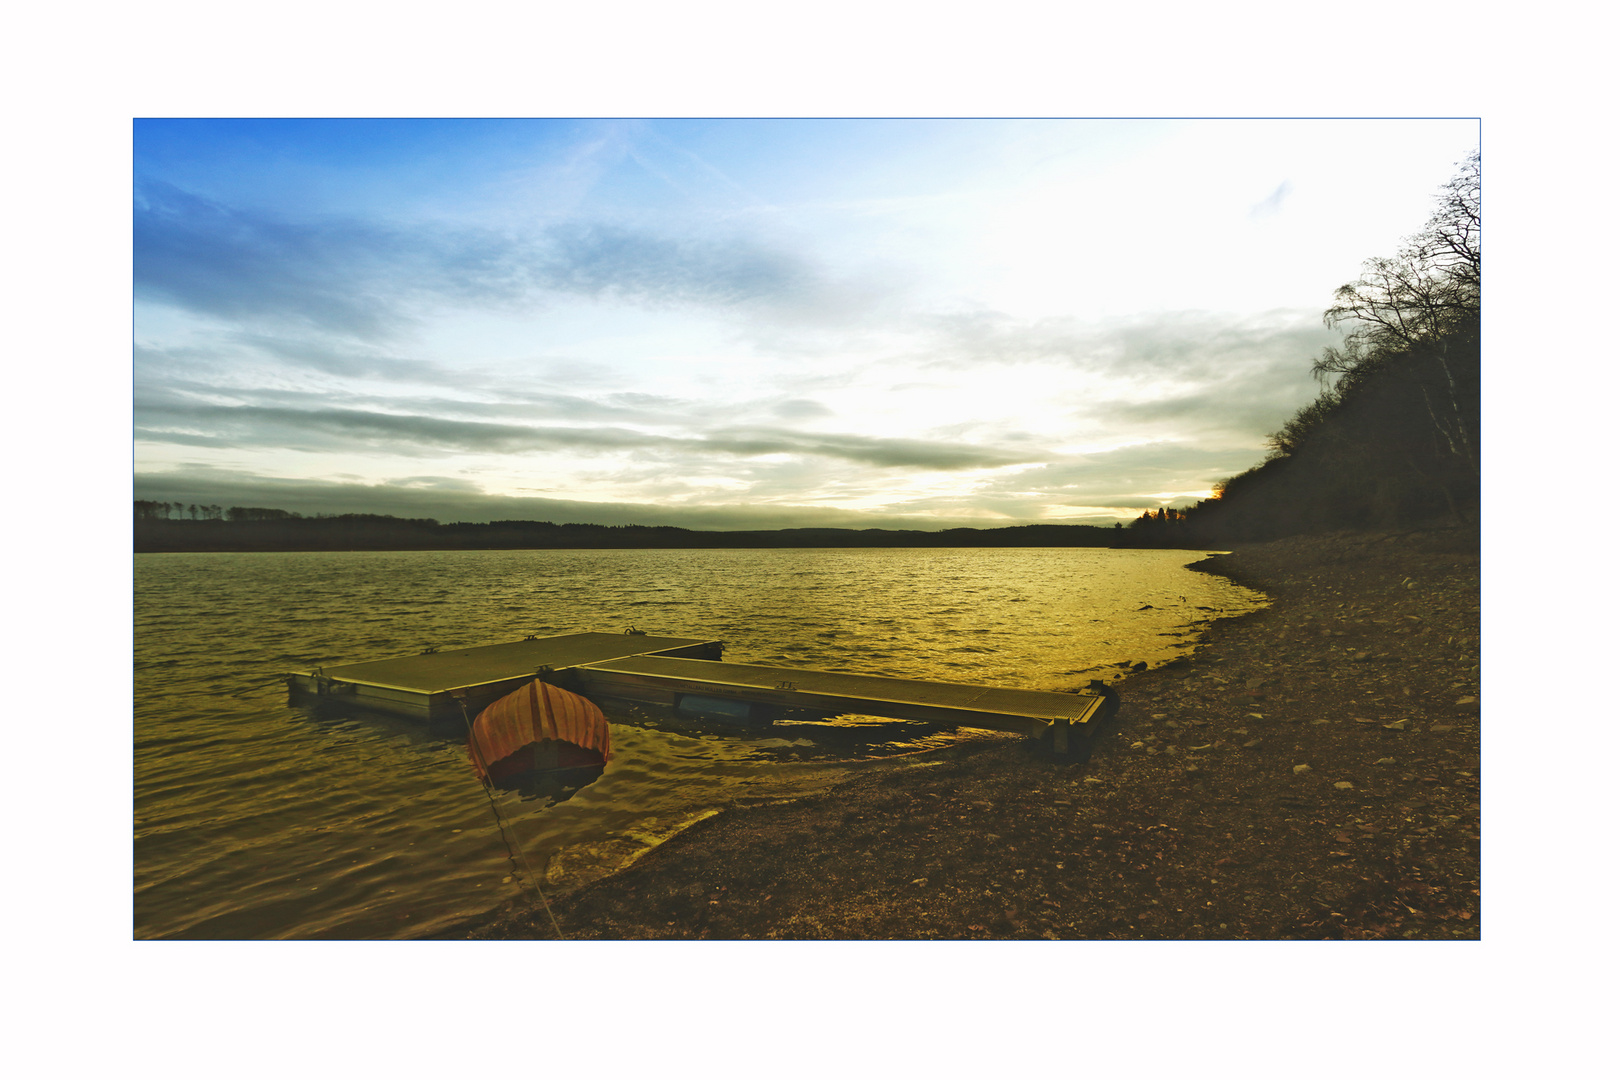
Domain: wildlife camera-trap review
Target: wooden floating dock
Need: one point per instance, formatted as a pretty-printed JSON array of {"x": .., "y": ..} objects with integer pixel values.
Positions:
[
  {"x": 435, "y": 686},
  {"x": 685, "y": 674}
]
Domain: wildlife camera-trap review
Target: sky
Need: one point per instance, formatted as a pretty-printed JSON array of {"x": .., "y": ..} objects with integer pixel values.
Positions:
[{"x": 745, "y": 323}]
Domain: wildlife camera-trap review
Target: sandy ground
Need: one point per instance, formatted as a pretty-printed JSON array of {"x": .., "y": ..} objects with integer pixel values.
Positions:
[{"x": 1312, "y": 772}]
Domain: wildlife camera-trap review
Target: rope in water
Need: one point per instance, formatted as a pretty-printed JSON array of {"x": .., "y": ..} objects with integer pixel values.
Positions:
[
  {"x": 255, "y": 687},
  {"x": 513, "y": 856}
]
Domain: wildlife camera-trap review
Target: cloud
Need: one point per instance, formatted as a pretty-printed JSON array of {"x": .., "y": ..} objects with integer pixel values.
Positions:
[
  {"x": 347, "y": 361},
  {"x": 341, "y": 275},
  {"x": 204, "y": 424},
  {"x": 433, "y": 483},
  {"x": 374, "y": 279},
  {"x": 1186, "y": 345},
  {"x": 1271, "y": 205},
  {"x": 800, "y": 409},
  {"x": 363, "y": 429},
  {"x": 635, "y": 399},
  {"x": 449, "y": 499},
  {"x": 242, "y": 359},
  {"x": 1123, "y": 477},
  {"x": 885, "y": 453},
  {"x": 1251, "y": 404},
  {"x": 241, "y": 368},
  {"x": 597, "y": 259}
]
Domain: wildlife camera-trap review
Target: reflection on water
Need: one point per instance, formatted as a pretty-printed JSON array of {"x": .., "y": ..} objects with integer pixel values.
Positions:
[
  {"x": 553, "y": 785},
  {"x": 256, "y": 820}
]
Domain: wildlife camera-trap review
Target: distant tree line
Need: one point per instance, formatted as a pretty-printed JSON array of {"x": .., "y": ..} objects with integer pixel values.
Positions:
[
  {"x": 148, "y": 510},
  {"x": 1392, "y": 439},
  {"x": 259, "y": 529},
  {"x": 1165, "y": 527}
]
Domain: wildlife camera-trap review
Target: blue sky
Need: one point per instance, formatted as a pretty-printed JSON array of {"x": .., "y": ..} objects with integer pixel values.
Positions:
[{"x": 754, "y": 323}]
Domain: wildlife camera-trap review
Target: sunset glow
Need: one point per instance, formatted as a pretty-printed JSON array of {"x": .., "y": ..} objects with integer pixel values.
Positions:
[{"x": 748, "y": 324}]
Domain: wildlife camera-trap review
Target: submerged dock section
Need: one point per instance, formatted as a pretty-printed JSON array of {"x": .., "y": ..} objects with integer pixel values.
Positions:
[
  {"x": 668, "y": 680},
  {"x": 687, "y": 674}
]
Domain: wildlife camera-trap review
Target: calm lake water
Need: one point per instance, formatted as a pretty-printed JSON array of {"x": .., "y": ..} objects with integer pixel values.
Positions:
[{"x": 257, "y": 820}]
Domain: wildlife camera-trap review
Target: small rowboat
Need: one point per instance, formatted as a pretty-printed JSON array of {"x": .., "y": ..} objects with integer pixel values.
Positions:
[{"x": 537, "y": 728}]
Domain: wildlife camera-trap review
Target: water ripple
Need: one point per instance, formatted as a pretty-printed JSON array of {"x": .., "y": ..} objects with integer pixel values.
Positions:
[{"x": 255, "y": 820}]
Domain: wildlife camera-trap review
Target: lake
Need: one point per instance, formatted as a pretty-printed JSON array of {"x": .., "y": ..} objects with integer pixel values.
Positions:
[{"x": 256, "y": 820}]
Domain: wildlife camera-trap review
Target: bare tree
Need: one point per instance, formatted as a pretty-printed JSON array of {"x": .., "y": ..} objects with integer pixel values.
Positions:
[{"x": 1417, "y": 315}]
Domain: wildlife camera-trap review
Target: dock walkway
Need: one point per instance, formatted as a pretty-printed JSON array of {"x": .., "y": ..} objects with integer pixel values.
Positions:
[
  {"x": 436, "y": 686},
  {"x": 666, "y": 680},
  {"x": 683, "y": 673}
]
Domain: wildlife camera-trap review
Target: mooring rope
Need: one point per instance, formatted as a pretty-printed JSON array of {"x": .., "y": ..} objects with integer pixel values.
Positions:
[
  {"x": 259, "y": 686},
  {"x": 489, "y": 793}
]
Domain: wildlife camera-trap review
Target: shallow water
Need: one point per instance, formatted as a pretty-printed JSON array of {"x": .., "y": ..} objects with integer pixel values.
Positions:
[{"x": 256, "y": 820}]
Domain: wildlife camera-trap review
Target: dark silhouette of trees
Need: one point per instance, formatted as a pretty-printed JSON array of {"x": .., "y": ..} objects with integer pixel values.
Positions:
[
  {"x": 1164, "y": 527},
  {"x": 1393, "y": 437},
  {"x": 150, "y": 510},
  {"x": 262, "y": 529},
  {"x": 257, "y": 513},
  {"x": 1416, "y": 317}
]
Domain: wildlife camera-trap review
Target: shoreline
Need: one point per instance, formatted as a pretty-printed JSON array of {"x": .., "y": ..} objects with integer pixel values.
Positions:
[{"x": 1192, "y": 819}]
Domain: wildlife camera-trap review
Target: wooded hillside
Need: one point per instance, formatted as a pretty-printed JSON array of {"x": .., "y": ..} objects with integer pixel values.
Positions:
[{"x": 1393, "y": 438}]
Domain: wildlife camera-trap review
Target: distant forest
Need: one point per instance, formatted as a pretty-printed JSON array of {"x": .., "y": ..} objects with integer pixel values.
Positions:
[
  {"x": 173, "y": 527},
  {"x": 1391, "y": 441}
]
